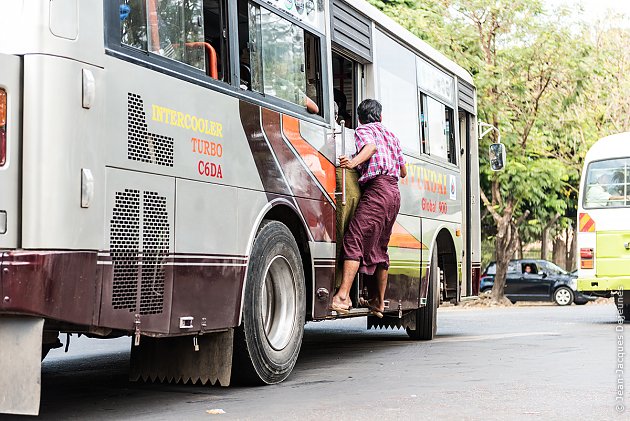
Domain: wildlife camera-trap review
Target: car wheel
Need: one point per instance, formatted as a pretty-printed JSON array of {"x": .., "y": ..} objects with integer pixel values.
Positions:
[
  {"x": 267, "y": 343},
  {"x": 426, "y": 317},
  {"x": 486, "y": 290},
  {"x": 563, "y": 296}
]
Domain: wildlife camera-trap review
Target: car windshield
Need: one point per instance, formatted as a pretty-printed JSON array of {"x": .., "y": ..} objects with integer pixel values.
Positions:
[{"x": 556, "y": 270}]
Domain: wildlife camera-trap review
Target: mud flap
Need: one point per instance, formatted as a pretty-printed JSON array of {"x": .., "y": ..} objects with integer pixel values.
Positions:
[
  {"x": 176, "y": 360},
  {"x": 20, "y": 364}
]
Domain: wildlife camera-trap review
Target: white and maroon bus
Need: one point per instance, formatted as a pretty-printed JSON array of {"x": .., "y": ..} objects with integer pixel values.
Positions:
[{"x": 167, "y": 173}]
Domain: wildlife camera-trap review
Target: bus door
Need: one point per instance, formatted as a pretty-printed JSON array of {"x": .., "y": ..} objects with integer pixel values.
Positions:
[{"x": 347, "y": 93}]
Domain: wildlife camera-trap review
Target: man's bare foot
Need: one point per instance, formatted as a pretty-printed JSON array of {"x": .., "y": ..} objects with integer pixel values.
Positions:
[{"x": 339, "y": 303}]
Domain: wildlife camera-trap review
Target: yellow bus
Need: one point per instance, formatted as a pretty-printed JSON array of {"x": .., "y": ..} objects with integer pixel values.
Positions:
[{"x": 604, "y": 221}]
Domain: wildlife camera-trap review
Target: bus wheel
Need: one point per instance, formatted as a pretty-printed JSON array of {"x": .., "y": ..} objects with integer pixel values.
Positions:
[
  {"x": 426, "y": 317},
  {"x": 267, "y": 344}
]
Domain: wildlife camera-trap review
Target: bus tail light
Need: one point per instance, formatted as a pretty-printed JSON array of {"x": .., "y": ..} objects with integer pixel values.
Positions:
[
  {"x": 586, "y": 258},
  {"x": 3, "y": 127}
]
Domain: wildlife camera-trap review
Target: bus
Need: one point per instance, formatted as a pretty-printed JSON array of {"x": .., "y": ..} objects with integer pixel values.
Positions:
[
  {"x": 604, "y": 222},
  {"x": 167, "y": 172}
]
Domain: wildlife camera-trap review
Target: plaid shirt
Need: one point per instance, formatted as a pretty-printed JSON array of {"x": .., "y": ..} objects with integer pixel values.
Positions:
[{"x": 388, "y": 158}]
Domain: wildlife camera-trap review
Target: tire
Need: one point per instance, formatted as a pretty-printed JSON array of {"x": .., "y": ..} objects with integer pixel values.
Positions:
[
  {"x": 426, "y": 317},
  {"x": 563, "y": 296},
  {"x": 268, "y": 341},
  {"x": 486, "y": 291}
]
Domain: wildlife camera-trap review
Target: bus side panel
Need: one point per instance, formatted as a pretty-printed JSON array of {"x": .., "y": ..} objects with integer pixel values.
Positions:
[
  {"x": 211, "y": 257},
  {"x": 57, "y": 28},
  {"x": 61, "y": 139},
  {"x": 405, "y": 254},
  {"x": 10, "y": 171},
  {"x": 140, "y": 231}
]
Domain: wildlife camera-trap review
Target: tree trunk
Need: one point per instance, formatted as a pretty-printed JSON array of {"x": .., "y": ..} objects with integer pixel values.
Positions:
[
  {"x": 560, "y": 251},
  {"x": 506, "y": 246},
  {"x": 544, "y": 238}
]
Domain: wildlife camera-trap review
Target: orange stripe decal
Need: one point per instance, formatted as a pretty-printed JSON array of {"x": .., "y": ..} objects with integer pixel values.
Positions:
[
  {"x": 586, "y": 223},
  {"x": 402, "y": 238},
  {"x": 317, "y": 163}
]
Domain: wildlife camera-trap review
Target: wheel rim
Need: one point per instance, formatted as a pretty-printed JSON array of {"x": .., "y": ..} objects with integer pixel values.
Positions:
[
  {"x": 278, "y": 303},
  {"x": 563, "y": 297}
]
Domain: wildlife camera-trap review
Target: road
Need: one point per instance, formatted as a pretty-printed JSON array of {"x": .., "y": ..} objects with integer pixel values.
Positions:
[{"x": 533, "y": 362}]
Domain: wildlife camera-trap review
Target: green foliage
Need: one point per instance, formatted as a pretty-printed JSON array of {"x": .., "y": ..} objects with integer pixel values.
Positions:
[{"x": 551, "y": 83}]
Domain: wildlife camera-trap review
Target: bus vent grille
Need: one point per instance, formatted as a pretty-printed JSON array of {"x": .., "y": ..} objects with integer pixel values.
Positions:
[
  {"x": 155, "y": 244},
  {"x": 124, "y": 248},
  {"x": 141, "y": 144},
  {"x": 139, "y": 278}
]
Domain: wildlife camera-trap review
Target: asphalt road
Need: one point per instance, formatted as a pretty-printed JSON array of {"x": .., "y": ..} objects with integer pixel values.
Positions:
[{"x": 534, "y": 362}]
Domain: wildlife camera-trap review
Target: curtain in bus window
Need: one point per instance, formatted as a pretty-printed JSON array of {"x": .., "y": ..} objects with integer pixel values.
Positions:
[
  {"x": 438, "y": 141},
  {"x": 172, "y": 25},
  {"x": 607, "y": 184},
  {"x": 283, "y": 58},
  {"x": 133, "y": 23},
  {"x": 397, "y": 90}
]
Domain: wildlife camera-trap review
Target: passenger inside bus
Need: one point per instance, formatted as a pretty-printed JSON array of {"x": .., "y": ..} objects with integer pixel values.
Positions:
[{"x": 598, "y": 195}]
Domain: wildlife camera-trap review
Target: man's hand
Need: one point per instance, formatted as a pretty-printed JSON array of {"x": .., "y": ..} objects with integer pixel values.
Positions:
[{"x": 344, "y": 162}]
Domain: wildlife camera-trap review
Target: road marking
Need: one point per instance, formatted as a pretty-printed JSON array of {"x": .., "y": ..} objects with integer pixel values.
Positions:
[{"x": 497, "y": 336}]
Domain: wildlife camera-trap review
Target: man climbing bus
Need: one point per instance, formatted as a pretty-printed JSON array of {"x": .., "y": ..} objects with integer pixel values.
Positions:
[{"x": 380, "y": 163}]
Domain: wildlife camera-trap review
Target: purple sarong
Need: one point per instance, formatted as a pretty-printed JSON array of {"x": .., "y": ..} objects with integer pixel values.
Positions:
[{"x": 369, "y": 231}]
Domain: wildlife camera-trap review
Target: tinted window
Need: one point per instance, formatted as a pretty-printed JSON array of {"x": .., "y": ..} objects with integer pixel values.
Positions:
[
  {"x": 176, "y": 31},
  {"x": 133, "y": 16},
  {"x": 552, "y": 269},
  {"x": 278, "y": 58},
  {"x": 192, "y": 32},
  {"x": 514, "y": 267}
]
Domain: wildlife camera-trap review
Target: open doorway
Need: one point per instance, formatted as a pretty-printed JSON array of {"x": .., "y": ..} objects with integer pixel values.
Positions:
[{"x": 346, "y": 88}]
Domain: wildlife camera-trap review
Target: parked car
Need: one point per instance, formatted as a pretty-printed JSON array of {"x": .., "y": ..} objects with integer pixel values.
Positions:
[{"x": 536, "y": 280}]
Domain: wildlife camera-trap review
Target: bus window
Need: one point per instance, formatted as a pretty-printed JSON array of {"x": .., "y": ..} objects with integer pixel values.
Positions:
[
  {"x": 608, "y": 183},
  {"x": 193, "y": 32},
  {"x": 176, "y": 30},
  {"x": 437, "y": 131},
  {"x": 133, "y": 16},
  {"x": 215, "y": 31},
  {"x": 345, "y": 88},
  {"x": 278, "y": 58}
]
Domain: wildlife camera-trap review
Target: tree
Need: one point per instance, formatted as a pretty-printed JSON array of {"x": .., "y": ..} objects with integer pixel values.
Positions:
[{"x": 526, "y": 68}]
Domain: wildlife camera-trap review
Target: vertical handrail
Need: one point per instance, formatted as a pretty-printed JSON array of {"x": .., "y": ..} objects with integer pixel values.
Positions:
[
  {"x": 342, "y": 123},
  {"x": 212, "y": 57}
]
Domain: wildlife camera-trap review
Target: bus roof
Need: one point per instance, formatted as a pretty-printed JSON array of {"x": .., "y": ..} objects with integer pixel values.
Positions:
[
  {"x": 389, "y": 25},
  {"x": 617, "y": 145}
]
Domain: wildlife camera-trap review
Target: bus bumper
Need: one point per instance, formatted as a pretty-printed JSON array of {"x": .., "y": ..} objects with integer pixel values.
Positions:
[
  {"x": 58, "y": 285},
  {"x": 20, "y": 364},
  {"x": 620, "y": 283}
]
